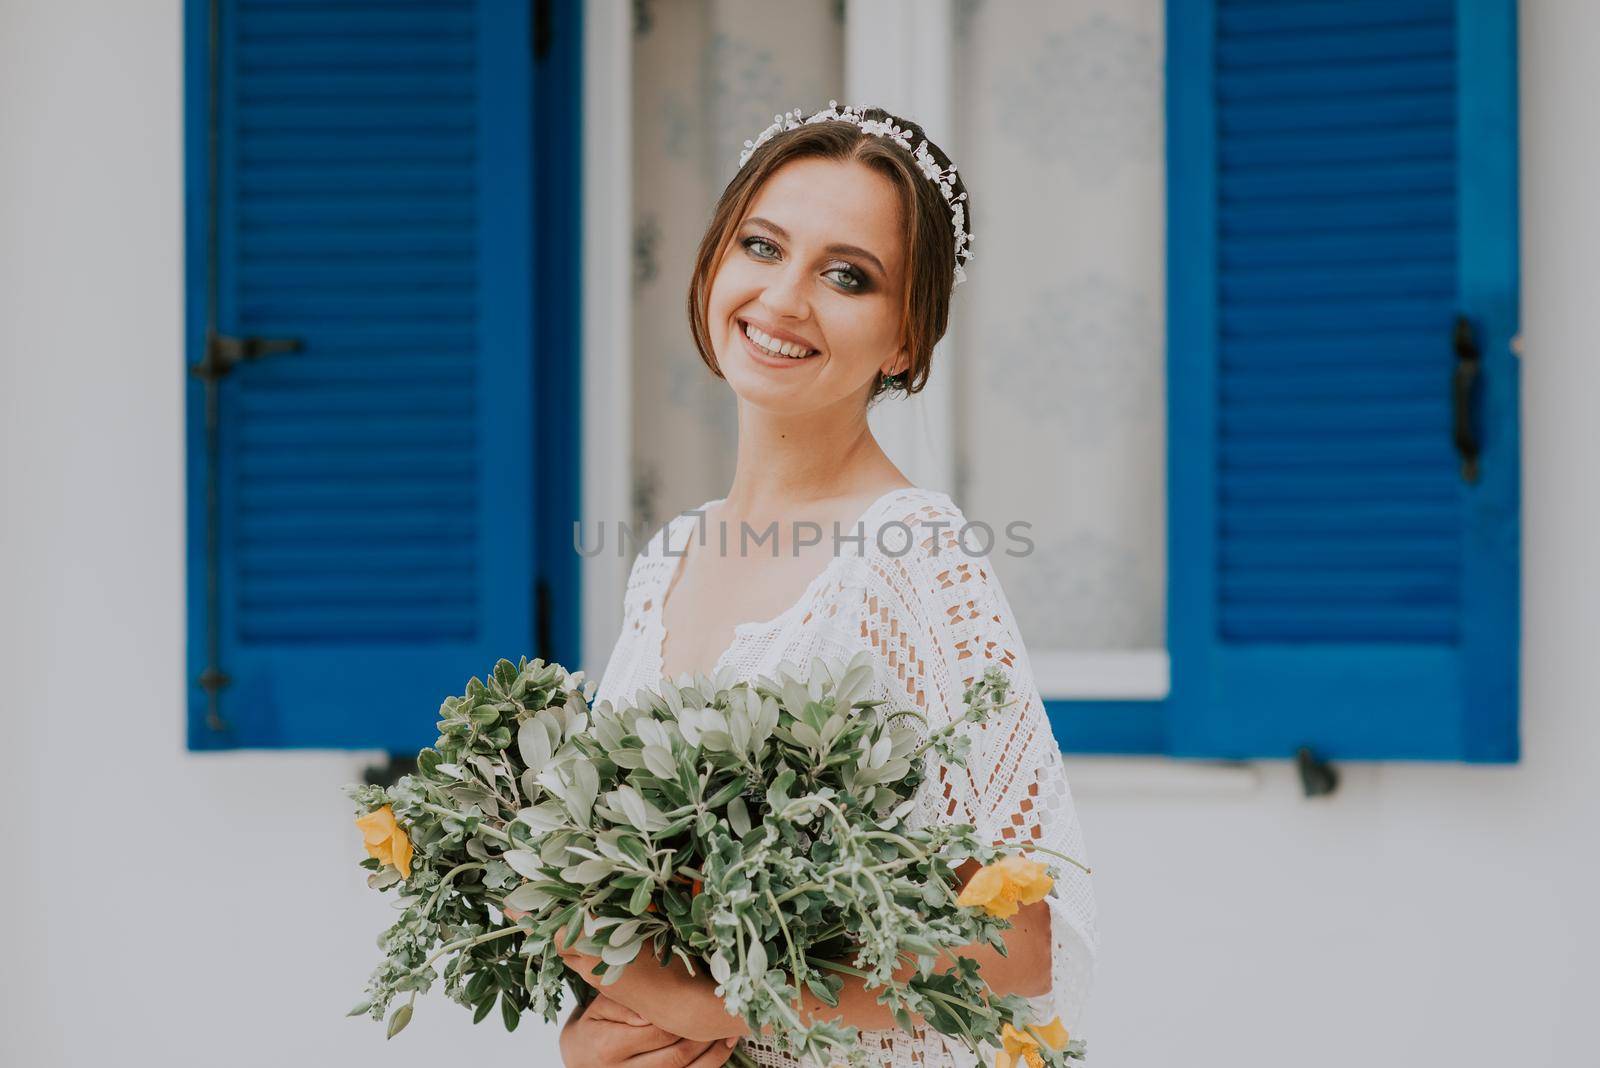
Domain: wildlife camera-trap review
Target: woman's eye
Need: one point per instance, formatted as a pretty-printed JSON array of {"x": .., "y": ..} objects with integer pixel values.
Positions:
[
  {"x": 849, "y": 277},
  {"x": 752, "y": 242}
]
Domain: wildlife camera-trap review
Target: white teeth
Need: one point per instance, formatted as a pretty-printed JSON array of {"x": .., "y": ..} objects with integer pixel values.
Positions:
[{"x": 777, "y": 348}]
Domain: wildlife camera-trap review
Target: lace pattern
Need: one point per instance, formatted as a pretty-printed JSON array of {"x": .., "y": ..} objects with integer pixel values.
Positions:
[{"x": 935, "y": 617}]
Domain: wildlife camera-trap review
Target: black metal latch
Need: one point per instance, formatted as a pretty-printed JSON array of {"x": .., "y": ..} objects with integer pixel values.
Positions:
[
  {"x": 1318, "y": 778},
  {"x": 223, "y": 353},
  {"x": 1469, "y": 365}
]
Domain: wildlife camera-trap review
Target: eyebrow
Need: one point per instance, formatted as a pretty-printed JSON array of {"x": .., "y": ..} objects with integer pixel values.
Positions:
[{"x": 836, "y": 249}]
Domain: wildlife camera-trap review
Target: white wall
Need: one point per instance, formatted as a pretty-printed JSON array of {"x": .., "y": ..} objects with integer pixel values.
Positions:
[
  {"x": 196, "y": 910},
  {"x": 173, "y": 909}
]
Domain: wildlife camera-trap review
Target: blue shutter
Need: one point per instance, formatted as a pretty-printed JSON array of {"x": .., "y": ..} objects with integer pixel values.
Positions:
[
  {"x": 376, "y": 536},
  {"x": 1342, "y": 185}
]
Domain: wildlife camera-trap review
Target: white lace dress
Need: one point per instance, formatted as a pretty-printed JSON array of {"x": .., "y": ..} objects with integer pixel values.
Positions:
[{"x": 935, "y": 617}]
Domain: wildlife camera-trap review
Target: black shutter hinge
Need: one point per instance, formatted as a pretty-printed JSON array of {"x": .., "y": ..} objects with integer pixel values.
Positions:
[
  {"x": 1469, "y": 367},
  {"x": 543, "y": 640},
  {"x": 544, "y": 31},
  {"x": 223, "y": 353}
]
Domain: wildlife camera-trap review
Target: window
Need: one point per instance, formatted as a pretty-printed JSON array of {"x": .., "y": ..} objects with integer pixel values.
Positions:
[
  {"x": 1340, "y": 262},
  {"x": 380, "y": 369}
]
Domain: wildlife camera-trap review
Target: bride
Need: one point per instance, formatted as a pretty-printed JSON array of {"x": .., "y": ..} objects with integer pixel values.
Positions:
[{"x": 823, "y": 281}]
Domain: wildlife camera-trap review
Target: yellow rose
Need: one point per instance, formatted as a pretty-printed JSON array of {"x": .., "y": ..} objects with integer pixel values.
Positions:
[
  {"x": 385, "y": 840},
  {"x": 1000, "y": 887},
  {"x": 1022, "y": 1047}
]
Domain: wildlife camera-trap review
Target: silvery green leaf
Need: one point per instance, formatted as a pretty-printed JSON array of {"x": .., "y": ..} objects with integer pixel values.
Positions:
[
  {"x": 720, "y": 969},
  {"x": 530, "y": 785},
  {"x": 617, "y": 956},
  {"x": 739, "y": 729},
  {"x": 882, "y": 749},
  {"x": 554, "y": 781},
  {"x": 717, "y": 741},
  {"x": 854, "y": 684},
  {"x": 689, "y": 724},
  {"x": 489, "y": 769},
  {"x": 795, "y": 696},
  {"x": 817, "y": 676},
  {"x": 476, "y": 849},
  {"x": 528, "y": 898},
  {"x": 589, "y": 871},
  {"x": 832, "y": 729},
  {"x": 631, "y": 803},
  {"x": 388, "y": 876},
  {"x": 593, "y": 925},
  {"x": 553, "y": 850},
  {"x": 497, "y": 874},
  {"x": 894, "y": 769},
  {"x": 543, "y": 817},
  {"x": 607, "y": 732},
  {"x": 623, "y": 931},
  {"x": 652, "y": 733},
  {"x": 449, "y": 771},
  {"x": 583, "y": 854},
  {"x": 755, "y": 959},
  {"x": 659, "y": 761},
  {"x": 524, "y": 862},
  {"x": 398, "y": 1021},
  {"x": 533, "y": 742},
  {"x": 805, "y": 735},
  {"x": 586, "y": 784},
  {"x": 739, "y": 817},
  {"x": 627, "y": 758}
]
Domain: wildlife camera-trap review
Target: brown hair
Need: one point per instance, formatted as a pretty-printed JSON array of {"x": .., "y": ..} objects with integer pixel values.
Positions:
[{"x": 929, "y": 237}]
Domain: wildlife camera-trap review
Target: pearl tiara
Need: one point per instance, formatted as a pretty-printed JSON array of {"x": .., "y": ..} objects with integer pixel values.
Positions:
[{"x": 943, "y": 178}]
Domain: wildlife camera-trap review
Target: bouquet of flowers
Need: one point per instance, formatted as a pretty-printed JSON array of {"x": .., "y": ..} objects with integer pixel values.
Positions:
[{"x": 758, "y": 831}]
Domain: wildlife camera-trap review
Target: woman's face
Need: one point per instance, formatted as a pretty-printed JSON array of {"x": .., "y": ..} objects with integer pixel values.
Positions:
[{"x": 816, "y": 261}]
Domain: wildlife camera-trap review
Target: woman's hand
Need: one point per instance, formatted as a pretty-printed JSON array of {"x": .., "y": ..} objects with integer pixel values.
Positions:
[
  {"x": 609, "y": 1035},
  {"x": 665, "y": 994}
]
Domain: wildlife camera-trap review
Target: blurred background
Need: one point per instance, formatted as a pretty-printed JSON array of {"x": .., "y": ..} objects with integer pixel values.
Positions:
[{"x": 323, "y": 323}]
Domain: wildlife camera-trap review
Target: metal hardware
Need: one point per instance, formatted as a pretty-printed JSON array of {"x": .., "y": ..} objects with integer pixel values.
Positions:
[
  {"x": 1318, "y": 778},
  {"x": 543, "y": 28},
  {"x": 543, "y": 639},
  {"x": 388, "y": 773},
  {"x": 222, "y": 353},
  {"x": 1469, "y": 366}
]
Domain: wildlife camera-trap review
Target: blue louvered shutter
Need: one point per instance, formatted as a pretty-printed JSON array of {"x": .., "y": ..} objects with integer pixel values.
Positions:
[
  {"x": 1342, "y": 188},
  {"x": 375, "y": 494}
]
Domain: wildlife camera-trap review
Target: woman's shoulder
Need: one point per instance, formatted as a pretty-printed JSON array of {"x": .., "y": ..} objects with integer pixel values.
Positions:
[{"x": 927, "y": 550}]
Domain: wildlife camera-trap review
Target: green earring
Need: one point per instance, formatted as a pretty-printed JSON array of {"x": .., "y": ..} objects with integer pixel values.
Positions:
[{"x": 893, "y": 381}]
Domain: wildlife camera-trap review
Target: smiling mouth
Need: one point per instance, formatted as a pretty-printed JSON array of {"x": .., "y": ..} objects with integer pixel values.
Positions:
[{"x": 773, "y": 347}]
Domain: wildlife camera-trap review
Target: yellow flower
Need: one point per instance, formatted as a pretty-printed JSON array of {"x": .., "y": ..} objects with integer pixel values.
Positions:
[
  {"x": 1022, "y": 1047},
  {"x": 1000, "y": 887},
  {"x": 385, "y": 840}
]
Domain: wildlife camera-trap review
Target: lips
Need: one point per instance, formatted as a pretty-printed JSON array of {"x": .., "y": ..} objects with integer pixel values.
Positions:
[
  {"x": 778, "y": 345},
  {"x": 762, "y": 358}
]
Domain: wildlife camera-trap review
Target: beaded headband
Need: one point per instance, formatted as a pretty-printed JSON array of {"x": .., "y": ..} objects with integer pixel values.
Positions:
[{"x": 791, "y": 120}]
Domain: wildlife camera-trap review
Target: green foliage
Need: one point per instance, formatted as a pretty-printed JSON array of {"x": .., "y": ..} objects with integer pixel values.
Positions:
[{"x": 762, "y": 831}]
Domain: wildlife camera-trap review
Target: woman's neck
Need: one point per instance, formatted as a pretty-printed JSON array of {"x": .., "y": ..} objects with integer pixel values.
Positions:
[{"x": 785, "y": 464}]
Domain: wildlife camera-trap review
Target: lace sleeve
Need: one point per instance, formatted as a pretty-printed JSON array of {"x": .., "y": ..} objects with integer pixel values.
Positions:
[{"x": 937, "y": 618}]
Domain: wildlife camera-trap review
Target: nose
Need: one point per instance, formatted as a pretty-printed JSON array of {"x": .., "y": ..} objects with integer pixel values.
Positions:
[{"x": 785, "y": 294}]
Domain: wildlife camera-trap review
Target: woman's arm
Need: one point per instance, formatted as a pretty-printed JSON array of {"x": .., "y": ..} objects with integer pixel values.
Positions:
[
  {"x": 1024, "y": 970},
  {"x": 669, "y": 997}
]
